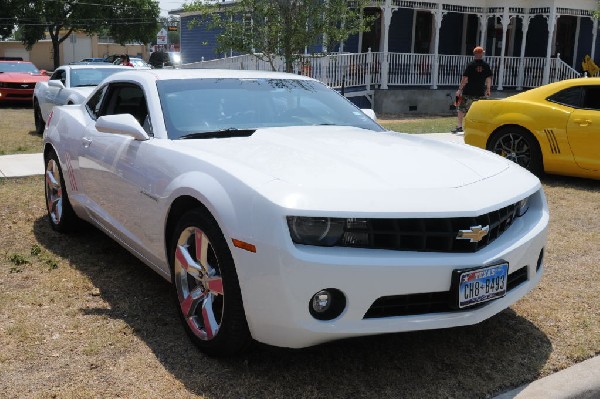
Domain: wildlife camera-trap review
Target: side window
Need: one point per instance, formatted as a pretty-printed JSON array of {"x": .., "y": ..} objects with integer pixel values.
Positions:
[
  {"x": 59, "y": 74},
  {"x": 571, "y": 97},
  {"x": 94, "y": 104},
  {"x": 591, "y": 98},
  {"x": 127, "y": 98}
]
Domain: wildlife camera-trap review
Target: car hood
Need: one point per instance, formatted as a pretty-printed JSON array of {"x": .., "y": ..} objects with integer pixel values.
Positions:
[
  {"x": 15, "y": 77},
  {"x": 83, "y": 91},
  {"x": 346, "y": 170},
  {"x": 346, "y": 156}
]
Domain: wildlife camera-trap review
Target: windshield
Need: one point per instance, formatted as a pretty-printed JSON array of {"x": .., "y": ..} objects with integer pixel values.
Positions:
[
  {"x": 209, "y": 105},
  {"x": 25, "y": 67},
  {"x": 91, "y": 76}
]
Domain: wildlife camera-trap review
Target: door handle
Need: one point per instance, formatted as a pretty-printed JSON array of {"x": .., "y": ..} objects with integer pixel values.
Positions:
[
  {"x": 583, "y": 122},
  {"x": 85, "y": 142}
]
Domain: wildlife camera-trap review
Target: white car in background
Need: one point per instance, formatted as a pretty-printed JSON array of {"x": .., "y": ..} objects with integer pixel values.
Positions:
[
  {"x": 283, "y": 213},
  {"x": 69, "y": 84}
]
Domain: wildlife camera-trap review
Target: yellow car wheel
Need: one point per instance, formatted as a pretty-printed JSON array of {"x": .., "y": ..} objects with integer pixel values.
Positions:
[{"x": 518, "y": 145}]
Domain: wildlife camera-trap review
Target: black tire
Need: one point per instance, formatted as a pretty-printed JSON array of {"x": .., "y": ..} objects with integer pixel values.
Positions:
[
  {"x": 207, "y": 296},
  {"x": 61, "y": 215},
  {"x": 37, "y": 118},
  {"x": 518, "y": 145}
]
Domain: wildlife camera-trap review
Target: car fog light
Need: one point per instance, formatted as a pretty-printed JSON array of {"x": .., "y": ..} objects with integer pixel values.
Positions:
[
  {"x": 321, "y": 301},
  {"x": 327, "y": 304}
]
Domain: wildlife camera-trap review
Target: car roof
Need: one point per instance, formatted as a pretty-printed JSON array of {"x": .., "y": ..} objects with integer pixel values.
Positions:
[
  {"x": 16, "y": 62},
  {"x": 95, "y": 65},
  {"x": 551, "y": 88},
  {"x": 172, "y": 74}
]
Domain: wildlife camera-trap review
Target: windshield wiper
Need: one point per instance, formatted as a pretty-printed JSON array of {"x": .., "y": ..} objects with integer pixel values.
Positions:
[
  {"x": 88, "y": 85},
  {"x": 222, "y": 133}
]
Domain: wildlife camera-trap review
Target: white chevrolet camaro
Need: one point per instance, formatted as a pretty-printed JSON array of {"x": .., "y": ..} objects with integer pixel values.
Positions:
[
  {"x": 282, "y": 213},
  {"x": 68, "y": 84}
]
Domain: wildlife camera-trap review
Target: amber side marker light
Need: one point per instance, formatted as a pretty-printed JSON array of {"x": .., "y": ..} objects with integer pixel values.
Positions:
[{"x": 244, "y": 245}]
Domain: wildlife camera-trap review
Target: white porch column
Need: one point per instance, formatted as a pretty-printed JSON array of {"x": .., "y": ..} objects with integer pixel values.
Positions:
[
  {"x": 438, "y": 15},
  {"x": 483, "y": 23},
  {"x": 385, "y": 65},
  {"x": 551, "y": 26},
  {"x": 526, "y": 20},
  {"x": 463, "y": 47},
  {"x": 576, "y": 47},
  {"x": 360, "y": 34},
  {"x": 505, "y": 22},
  {"x": 594, "y": 34}
]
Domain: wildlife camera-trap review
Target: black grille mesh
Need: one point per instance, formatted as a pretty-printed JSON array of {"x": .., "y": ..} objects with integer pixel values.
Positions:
[
  {"x": 430, "y": 302},
  {"x": 20, "y": 86},
  {"x": 426, "y": 234}
]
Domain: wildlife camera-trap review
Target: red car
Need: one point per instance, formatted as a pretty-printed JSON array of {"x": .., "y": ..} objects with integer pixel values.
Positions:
[{"x": 18, "y": 79}]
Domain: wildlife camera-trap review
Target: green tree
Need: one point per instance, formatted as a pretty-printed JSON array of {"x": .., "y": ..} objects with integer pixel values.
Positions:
[
  {"x": 125, "y": 20},
  {"x": 8, "y": 17},
  {"x": 280, "y": 28}
]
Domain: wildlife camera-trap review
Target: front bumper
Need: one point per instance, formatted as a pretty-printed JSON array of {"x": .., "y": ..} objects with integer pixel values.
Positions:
[
  {"x": 279, "y": 280},
  {"x": 7, "y": 94}
]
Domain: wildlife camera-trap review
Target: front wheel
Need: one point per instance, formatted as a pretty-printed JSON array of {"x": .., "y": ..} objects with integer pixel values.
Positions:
[
  {"x": 61, "y": 215},
  {"x": 206, "y": 286},
  {"x": 37, "y": 118},
  {"x": 519, "y": 146}
]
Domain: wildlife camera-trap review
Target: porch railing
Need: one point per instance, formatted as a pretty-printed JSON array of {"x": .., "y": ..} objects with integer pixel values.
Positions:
[{"x": 403, "y": 69}]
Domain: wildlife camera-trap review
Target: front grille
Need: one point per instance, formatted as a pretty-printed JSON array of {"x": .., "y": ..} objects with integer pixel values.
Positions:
[
  {"x": 426, "y": 234},
  {"x": 20, "y": 86},
  {"x": 13, "y": 95},
  {"x": 430, "y": 302}
]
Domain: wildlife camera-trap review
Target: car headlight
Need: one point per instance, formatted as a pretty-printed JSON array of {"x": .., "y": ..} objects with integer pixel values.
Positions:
[
  {"x": 522, "y": 206},
  {"x": 322, "y": 231}
]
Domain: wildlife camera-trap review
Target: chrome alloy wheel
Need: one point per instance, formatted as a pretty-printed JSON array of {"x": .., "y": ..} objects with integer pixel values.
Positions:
[
  {"x": 54, "y": 192},
  {"x": 199, "y": 283},
  {"x": 514, "y": 147}
]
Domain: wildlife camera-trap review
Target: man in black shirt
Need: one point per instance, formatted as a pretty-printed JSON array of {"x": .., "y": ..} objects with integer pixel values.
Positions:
[{"x": 476, "y": 83}]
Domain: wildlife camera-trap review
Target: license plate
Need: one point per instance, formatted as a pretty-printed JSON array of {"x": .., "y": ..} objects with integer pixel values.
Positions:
[{"x": 482, "y": 285}]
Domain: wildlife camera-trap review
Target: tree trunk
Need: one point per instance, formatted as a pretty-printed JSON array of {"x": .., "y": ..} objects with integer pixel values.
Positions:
[{"x": 55, "y": 52}]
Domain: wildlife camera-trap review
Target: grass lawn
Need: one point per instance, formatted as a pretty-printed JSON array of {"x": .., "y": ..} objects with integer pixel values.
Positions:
[
  {"x": 410, "y": 124},
  {"x": 81, "y": 317},
  {"x": 17, "y": 131}
]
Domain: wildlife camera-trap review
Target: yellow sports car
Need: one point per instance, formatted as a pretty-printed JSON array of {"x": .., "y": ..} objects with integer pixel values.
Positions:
[{"x": 553, "y": 128}]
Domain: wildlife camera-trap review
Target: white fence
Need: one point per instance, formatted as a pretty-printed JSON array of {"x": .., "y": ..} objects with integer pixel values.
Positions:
[{"x": 400, "y": 69}]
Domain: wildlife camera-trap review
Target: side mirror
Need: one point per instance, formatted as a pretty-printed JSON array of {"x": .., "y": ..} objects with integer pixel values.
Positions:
[
  {"x": 56, "y": 83},
  {"x": 43, "y": 72},
  {"x": 370, "y": 113},
  {"x": 124, "y": 124}
]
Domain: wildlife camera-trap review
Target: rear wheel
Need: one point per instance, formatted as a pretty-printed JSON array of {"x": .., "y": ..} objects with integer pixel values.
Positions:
[
  {"x": 206, "y": 286},
  {"x": 61, "y": 215},
  {"x": 37, "y": 116},
  {"x": 518, "y": 145}
]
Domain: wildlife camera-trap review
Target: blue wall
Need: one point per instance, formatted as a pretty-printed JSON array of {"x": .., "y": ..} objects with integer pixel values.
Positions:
[
  {"x": 351, "y": 44},
  {"x": 537, "y": 37},
  {"x": 584, "y": 46},
  {"x": 197, "y": 42},
  {"x": 400, "y": 36},
  {"x": 450, "y": 34}
]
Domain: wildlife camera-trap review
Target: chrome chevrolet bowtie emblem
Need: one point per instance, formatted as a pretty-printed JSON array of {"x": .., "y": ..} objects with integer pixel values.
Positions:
[
  {"x": 25, "y": 86},
  {"x": 474, "y": 234}
]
